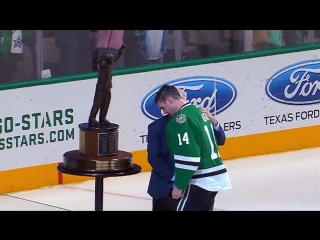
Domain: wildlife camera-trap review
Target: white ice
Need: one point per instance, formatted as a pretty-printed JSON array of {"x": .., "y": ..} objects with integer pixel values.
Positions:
[{"x": 281, "y": 182}]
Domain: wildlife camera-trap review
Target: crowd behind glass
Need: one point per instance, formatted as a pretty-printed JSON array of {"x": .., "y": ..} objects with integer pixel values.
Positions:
[{"x": 37, "y": 54}]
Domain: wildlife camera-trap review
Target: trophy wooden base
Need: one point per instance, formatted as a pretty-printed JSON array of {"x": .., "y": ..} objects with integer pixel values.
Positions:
[
  {"x": 98, "y": 151},
  {"x": 76, "y": 161},
  {"x": 98, "y": 141}
]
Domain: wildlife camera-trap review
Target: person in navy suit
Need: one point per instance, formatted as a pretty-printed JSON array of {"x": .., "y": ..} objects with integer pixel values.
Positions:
[{"x": 162, "y": 173}]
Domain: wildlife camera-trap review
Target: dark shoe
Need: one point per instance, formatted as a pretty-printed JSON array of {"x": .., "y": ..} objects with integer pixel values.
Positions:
[
  {"x": 93, "y": 122},
  {"x": 104, "y": 121}
]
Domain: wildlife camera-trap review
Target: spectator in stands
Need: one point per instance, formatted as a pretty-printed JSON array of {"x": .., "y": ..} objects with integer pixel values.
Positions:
[
  {"x": 316, "y": 35},
  {"x": 262, "y": 39},
  {"x": 108, "y": 41},
  {"x": 11, "y": 52},
  {"x": 152, "y": 45},
  {"x": 208, "y": 42},
  {"x": 75, "y": 51},
  {"x": 292, "y": 37}
]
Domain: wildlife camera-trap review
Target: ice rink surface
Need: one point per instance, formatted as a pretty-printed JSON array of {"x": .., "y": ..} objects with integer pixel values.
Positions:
[{"x": 285, "y": 181}]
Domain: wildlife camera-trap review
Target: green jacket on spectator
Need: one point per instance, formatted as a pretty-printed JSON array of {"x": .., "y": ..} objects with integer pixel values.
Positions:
[{"x": 5, "y": 44}]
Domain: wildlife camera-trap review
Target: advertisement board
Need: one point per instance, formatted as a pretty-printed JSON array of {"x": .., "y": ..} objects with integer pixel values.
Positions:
[{"x": 249, "y": 97}]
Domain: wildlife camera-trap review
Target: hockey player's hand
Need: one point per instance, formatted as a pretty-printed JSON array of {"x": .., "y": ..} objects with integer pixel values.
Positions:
[
  {"x": 176, "y": 193},
  {"x": 210, "y": 116}
]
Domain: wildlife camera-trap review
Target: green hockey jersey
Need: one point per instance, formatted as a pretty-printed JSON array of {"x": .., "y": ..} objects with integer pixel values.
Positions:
[{"x": 192, "y": 144}]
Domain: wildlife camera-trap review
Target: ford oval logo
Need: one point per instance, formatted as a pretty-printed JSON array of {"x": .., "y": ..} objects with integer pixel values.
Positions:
[
  {"x": 297, "y": 84},
  {"x": 214, "y": 93}
]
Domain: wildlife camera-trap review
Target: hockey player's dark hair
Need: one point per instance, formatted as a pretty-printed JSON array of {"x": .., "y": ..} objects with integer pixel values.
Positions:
[{"x": 166, "y": 91}]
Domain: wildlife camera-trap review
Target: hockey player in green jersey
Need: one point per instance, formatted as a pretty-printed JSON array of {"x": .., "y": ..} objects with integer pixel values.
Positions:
[{"x": 199, "y": 171}]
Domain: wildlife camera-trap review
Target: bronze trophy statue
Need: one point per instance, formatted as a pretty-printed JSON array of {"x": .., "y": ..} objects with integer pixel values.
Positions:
[
  {"x": 98, "y": 144},
  {"x": 98, "y": 155},
  {"x": 102, "y": 96}
]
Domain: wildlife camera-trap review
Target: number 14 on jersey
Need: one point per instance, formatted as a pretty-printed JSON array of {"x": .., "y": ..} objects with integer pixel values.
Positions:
[{"x": 184, "y": 139}]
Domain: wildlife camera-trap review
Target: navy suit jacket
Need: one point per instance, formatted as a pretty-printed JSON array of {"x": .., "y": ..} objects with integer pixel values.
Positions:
[{"x": 159, "y": 158}]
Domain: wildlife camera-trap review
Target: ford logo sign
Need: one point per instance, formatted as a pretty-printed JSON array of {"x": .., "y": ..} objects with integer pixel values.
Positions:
[
  {"x": 297, "y": 84},
  {"x": 214, "y": 93}
]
